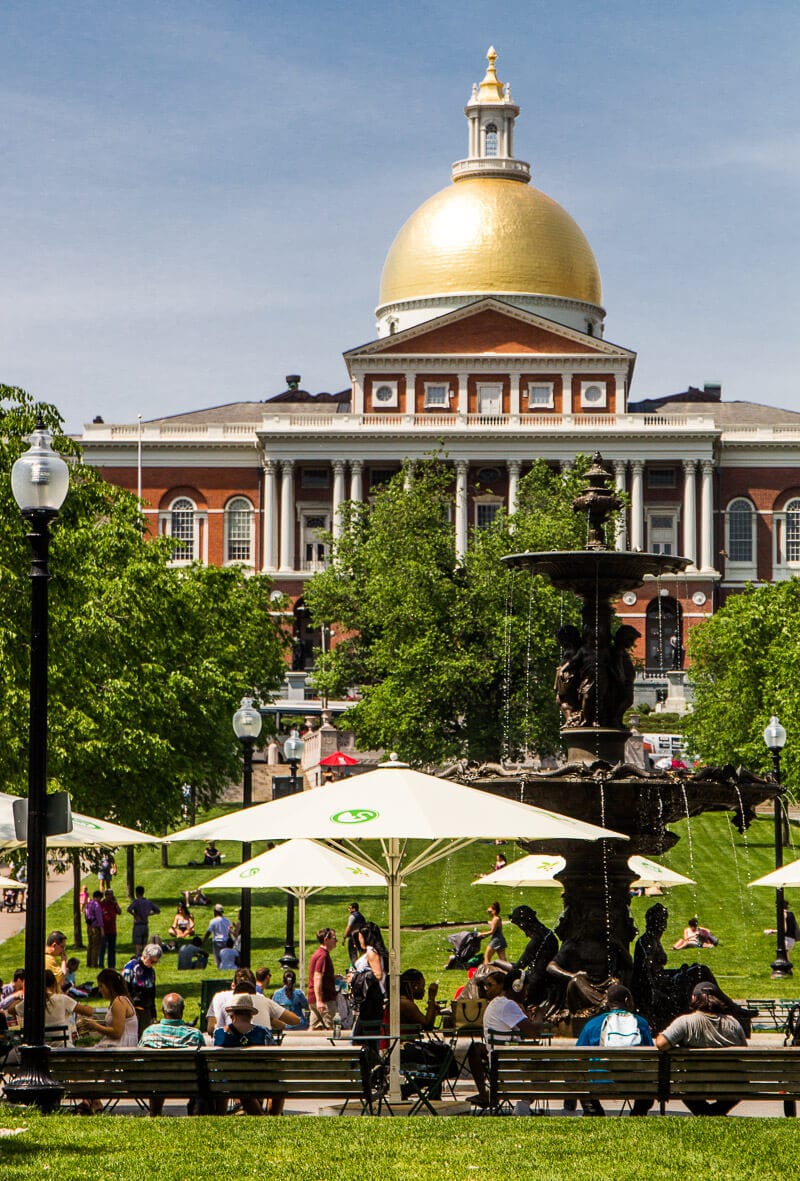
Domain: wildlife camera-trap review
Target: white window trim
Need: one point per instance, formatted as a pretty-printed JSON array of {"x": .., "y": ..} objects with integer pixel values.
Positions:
[
  {"x": 484, "y": 499},
  {"x": 494, "y": 389},
  {"x": 602, "y": 404},
  {"x": 665, "y": 510},
  {"x": 248, "y": 563},
  {"x": 741, "y": 571},
  {"x": 781, "y": 567},
  {"x": 390, "y": 403},
  {"x": 533, "y": 406},
  {"x": 199, "y": 537},
  {"x": 305, "y": 509},
  {"x": 448, "y": 393}
]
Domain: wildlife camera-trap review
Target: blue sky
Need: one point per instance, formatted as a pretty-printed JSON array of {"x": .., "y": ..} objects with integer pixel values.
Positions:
[{"x": 197, "y": 198}]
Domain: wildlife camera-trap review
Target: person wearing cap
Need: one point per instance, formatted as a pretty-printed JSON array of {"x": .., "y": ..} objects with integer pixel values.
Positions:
[
  {"x": 706, "y": 1025},
  {"x": 618, "y": 1000},
  {"x": 240, "y": 1033},
  {"x": 219, "y": 929}
]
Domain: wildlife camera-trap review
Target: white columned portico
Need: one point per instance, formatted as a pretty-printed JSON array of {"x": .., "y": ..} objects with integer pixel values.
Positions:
[
  {"x": 357, "y": 479},
  {"x": 270, "y": 560},
  {"x": 637, "y": 504},
  {"x": 620, "y": 477},
  {"x": 690, "y": 511},
  {"x": 707, "y": 516},
  {"x": 287, "y": 514},
  {"x": 513, "y": 466},
  {"x": 463, "y": 393},
  {"x": 338, "y": 497},
  {"x": 461, "y": 508},
  {"x": 515, "y": 398}
]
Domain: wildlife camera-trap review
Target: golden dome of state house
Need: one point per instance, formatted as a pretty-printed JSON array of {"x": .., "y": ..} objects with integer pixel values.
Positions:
[
  {"x": 490, "y": 345},
  {"x": 490, "y": 233}
]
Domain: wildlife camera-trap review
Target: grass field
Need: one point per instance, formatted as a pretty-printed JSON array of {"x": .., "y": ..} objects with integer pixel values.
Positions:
[
  {"x": 714, "y": 853},
  {"x": 396, "y": 1149}
]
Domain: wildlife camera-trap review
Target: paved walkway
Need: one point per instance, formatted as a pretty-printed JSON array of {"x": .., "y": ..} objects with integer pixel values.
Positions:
[{"x": 57, "y": 885}]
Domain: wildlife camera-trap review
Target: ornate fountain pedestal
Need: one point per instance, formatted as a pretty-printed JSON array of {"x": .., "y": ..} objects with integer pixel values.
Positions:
[{"x": 594, "y": 688}]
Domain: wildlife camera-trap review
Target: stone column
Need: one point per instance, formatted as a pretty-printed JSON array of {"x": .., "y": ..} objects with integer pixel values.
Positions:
[
  {"x": 287, "y": 514},
  {"x": 270, "y": 561},
  {"x": 513, "y": 466},
  {"x": 461, "y": 508},
  {"x": 620, "y": 476},
  {"x": 707, "y": 515},
  {"x": 637, "y": 504},
  {"x": 690, "y": 511},
  {"x": 463, "y": 397},
  {"x": 338, "y": 498},
  {"x": 357, "y": 479},
  {"x": 514, "y": 399}
]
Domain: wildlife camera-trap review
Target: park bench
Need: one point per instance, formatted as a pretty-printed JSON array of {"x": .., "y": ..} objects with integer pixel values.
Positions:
[
  {"x": 112, "y": 1075},
  {"x": 324, "y": 1074},
  {"x": 524, "y": 1071}
]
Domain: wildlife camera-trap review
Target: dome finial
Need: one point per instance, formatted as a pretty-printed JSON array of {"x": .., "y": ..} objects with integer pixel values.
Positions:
[{"x": 491, "y": 88}]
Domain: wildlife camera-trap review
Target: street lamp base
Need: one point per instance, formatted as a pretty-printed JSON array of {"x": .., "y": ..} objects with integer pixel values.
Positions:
[
  {"x": 32, "y": 1086},
  {"x": 781, "y": 968},
  {"x": 289, "y": 959}
]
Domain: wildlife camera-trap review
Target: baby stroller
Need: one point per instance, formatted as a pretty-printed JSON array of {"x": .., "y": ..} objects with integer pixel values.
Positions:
[{"x": 466, "y": 947}]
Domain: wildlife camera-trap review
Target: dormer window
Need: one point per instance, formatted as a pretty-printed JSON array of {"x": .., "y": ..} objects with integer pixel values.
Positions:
[{"x": 491, "y": 139}]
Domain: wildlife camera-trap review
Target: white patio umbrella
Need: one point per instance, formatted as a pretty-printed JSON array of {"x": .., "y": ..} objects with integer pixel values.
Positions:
[
  {"x": 394, "y": 805},
  {"x": 787, "y": 875},
  {"x": 540, "y": 870},
  {"x": 86, "y": 832},
  {"x": 300, "y": 867},
  {"x": 12, "y": 884}
]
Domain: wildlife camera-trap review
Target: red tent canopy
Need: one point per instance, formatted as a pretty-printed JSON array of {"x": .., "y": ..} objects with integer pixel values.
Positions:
[{"x": 338, "y": 759}]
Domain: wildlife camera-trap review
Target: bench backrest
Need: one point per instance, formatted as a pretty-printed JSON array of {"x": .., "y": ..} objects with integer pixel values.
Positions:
[
  {"x": 304, "y": 1074},
  {"x": 132, "y": 1072},
  {"x": 527, "y": 1071},
  {"x": 734, "y": 1072}
]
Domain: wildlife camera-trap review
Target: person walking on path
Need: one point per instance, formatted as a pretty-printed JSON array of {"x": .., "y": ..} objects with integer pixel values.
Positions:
[
  {"x": 497, "y": 940},
  {"x": 219, "y": 929},
  {"x": 93, "y": 913},
  {"x": 106, "y": 871},
  {"x": 108, "y": 946},
  {"x": 141, "y": 908}
]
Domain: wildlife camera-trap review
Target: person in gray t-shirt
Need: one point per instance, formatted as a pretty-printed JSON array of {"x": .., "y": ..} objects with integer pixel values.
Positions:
[{"x": 707, "y": 1025}]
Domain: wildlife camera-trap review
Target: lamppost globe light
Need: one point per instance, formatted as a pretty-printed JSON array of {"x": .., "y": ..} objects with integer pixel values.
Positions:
[
  {"x": 247, "y": 720},
  {"x": 775, "y": 735},
  {"x": 40, "y": 477},
  {"x": 293, "y": 747}
]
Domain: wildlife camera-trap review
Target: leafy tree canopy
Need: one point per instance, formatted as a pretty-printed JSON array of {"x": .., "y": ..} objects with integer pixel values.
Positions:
[
  {"x": 745, "y": 666},
  {"x": 147, "y": 662},
  {"x": 453, "y": 658}
]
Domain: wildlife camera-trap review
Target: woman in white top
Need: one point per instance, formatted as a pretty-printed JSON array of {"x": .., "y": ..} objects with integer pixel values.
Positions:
[
  {"x": 58, "y": 1010},
  {"x": 374, "y": 958},
  {"x": 120, "y": 1027}
]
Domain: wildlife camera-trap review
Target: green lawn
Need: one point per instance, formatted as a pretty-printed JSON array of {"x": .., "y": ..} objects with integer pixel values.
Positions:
[
  {"x": 720, "y": 859},
  {"x": 402, "y": 1149}
]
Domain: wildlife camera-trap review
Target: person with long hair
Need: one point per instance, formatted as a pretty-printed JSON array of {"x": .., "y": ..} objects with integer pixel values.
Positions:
[
  {"x": 119, "y": 1028},
  {"x": 372, "y": 963},
  {"x": 494, "y": 933},
  {"x": 183, "y": 923},
  {"x": 708, "y": 1023},
  {"x": 293, "y": 998}
]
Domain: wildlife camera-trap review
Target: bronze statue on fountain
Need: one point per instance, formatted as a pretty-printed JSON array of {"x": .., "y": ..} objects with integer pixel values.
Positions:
[{"x": 594, "y": 687}]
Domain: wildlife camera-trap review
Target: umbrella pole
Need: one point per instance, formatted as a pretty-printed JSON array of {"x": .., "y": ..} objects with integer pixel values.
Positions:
[
  {"x": 301, "y": 894},
  {"x": 394, "y": 967}
]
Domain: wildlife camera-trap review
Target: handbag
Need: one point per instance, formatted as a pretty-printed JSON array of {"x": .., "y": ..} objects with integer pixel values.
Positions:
[{"x": 468, "y": 1014}]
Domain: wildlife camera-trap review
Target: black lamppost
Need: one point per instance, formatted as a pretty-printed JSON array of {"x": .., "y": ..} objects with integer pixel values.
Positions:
[
  {"x": 775, "y": 738},
  {"x": 293, "y": 749},
  {"x": 246, "y": 727},
  {"x": 40, "y": 482}
]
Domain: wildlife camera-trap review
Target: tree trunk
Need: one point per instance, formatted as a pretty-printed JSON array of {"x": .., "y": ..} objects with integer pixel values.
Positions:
[
  {"x": 77, "y": 916},
  {"x": 165, "y": 853},
  {"x": 129, "y": 871}
]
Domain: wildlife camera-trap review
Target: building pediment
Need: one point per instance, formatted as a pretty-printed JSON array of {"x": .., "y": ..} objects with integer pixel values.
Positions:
[{"x": 489, "y": 327}]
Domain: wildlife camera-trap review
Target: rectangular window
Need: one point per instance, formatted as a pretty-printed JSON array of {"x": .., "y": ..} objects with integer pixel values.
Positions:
[
  {"x": 436, "y": 396},
  {"x": 485, "y": 514},
  {"x": 239, "y": 522},
  {"x": 315, "y": 477},
  {"x": 540, "y": 395},
  {"x": 662, "y": 533},
  {"x": 379, "y": 477},
  {"x": 182, "y": 529},
  {"x": 661, "y": 477},
  {"x": 740, "y": 535}
]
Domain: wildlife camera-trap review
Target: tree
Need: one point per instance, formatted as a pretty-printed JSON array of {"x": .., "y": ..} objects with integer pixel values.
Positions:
[
  {"x": 452, "y": 658},
  {"x": 147, "y": 661},
  {"x": 745, "y": 666}
]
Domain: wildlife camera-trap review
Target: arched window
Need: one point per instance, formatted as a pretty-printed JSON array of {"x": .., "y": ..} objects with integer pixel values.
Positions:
[
  {"x": 793, "y": 530},
  {"x": 491, "y": 139},
  {"x": 182, "y": 529},
  {"x": 739, "y": 542},
  {"x": 239, "y": 530}
]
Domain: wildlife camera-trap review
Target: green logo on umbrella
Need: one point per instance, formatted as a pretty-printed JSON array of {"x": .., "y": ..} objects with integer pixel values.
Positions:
[
  {"x": 354, "y": 816},
  {"x": 249, "y": 873}
]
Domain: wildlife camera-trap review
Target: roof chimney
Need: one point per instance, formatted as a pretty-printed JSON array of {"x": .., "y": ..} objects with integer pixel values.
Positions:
[
  {"x": 712, "y": 391},
  {"x": 293, "y": 381}
]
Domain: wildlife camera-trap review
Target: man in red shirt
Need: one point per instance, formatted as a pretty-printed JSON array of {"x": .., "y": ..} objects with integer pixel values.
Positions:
[{"x": 322, "y": 981}]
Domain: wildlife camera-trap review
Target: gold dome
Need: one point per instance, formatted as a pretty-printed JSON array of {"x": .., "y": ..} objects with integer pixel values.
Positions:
[{"x": 486, "y": 234}]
